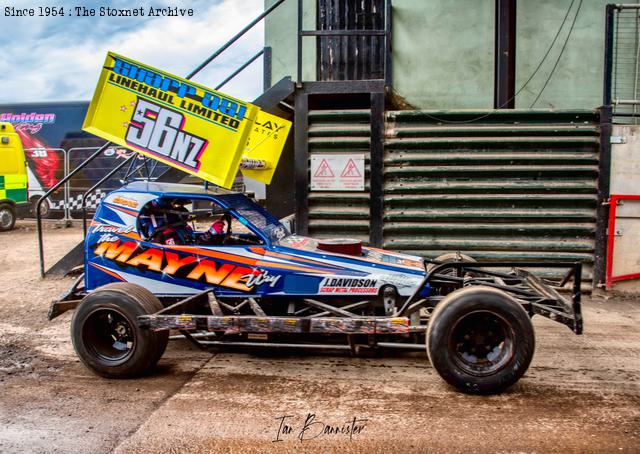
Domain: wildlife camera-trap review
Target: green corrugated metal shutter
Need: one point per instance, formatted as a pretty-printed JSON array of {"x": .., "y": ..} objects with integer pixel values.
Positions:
[
  {"x": 512, "y": 185},
  {"x": 334, "y": 214}
]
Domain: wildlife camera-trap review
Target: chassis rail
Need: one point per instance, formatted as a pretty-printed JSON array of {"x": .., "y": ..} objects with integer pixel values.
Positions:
[{"x": 239, "y": 322}]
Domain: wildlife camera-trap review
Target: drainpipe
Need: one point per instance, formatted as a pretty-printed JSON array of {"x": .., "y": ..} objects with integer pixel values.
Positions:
[{"x": 504, "y": 85}]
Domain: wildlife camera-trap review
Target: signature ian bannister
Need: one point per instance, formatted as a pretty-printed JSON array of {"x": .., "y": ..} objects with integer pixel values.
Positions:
[{"x": 312, "y": 428}]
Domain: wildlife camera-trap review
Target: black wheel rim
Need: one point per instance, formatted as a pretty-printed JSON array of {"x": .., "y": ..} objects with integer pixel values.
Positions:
[
  {"x": 5, "y": 218},
  {"x": 108, "y": 335},
  {"x": 482, "y": 343}
]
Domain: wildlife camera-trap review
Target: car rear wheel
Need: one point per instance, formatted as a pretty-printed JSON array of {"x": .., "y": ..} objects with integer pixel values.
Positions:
[
  {"x": 480, "y": 340},
  {"x": 105, "y": 331},
  {"x": 7, "y": 217}
]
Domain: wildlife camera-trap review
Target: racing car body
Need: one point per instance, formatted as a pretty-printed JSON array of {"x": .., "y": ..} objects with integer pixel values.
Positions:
[
  {"x": 265, "y": 260},
  {"x": 257, "y": 284}
]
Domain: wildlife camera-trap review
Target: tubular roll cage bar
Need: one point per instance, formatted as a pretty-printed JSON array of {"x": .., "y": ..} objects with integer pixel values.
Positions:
[{"x": 572, "y": 309}]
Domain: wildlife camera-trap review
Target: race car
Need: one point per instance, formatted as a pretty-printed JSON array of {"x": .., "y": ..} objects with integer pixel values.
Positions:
[{"x": 217, "y": 267}]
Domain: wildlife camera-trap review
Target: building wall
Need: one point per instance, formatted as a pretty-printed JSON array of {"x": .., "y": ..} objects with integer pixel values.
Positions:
[
  {"x": 443, "y": 51},
  {"x": 577, "y": 80},
  {"x": 281, "y": 28}
]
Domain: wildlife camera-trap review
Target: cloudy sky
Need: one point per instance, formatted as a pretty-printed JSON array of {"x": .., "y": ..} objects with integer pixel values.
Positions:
[{"x": 59, "y": 58}]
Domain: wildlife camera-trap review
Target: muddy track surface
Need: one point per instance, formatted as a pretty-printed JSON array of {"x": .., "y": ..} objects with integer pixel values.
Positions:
[{"x": 581, "y": 393}]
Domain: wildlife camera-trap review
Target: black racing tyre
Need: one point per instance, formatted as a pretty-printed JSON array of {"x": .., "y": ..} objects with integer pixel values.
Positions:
[
  {"x": 105, "y": 331},
  {"x": 480, "y": 340},
  {"x": 7, "y": 217}
]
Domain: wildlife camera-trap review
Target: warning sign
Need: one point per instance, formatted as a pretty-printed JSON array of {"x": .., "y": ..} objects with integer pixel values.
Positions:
[
  {"x": 337, "y": 172},
  {"x": 351, "y": 170},
  {"x": 324, "y": 170}
]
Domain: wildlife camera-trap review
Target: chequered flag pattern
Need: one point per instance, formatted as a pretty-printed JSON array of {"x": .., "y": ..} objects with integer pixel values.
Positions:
[{"x": 75, "y": 202}]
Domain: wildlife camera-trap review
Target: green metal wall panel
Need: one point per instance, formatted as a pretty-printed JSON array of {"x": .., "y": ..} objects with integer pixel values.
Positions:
[
  {"x": 514, "y": 185},
  {"x": 576, "y": 81},
  {"x": 443, "y": 53},
  {"x": 340, "y": 213},
  {"x": 494, "y": 185}
]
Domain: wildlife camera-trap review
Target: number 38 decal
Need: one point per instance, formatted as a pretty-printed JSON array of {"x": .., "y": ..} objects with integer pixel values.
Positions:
[
  {"x": 39, "y": 153},
  {"x": 158, "y": 130}
]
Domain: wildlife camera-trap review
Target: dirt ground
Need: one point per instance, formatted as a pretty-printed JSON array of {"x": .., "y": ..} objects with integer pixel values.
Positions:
[{"x": 581, "y": 393}]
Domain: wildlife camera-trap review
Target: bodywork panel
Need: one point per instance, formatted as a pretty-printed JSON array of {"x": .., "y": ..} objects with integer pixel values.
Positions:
[{"x": 285, "y": 265}]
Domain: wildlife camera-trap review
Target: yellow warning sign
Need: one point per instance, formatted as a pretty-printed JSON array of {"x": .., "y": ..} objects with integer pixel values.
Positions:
[{"x": 183, "y": 124}]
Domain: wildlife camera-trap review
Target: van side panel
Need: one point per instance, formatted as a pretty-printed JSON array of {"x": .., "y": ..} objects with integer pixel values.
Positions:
[{"x": 13, "y": 169}]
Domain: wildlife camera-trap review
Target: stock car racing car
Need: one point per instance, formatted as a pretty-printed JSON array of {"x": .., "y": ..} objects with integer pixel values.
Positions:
[{"x": 217, "y": 267}]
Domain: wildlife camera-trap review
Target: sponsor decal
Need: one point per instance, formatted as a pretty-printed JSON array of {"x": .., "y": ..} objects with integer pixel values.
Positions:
[
  {"x": 348, "y": 285},
  {"x": 108, "y": 238},
  {"x": 28, "y": 117},
  {"x": 103, "y": 228},
  {"x": 298, "y": 242},
  {"x": 126, "y": 202},
  {"x": 382, "y": 257},
  {"x": 164, "y": 87},
  {"x": 400, "y": 280},
  {"x": 211, "y": 271},
  {"x": 159, "y": 131},
  {"x": 259, "y": 277},
  {"x": 183, "y": 124},
  {"x": 28, "y": 122}
]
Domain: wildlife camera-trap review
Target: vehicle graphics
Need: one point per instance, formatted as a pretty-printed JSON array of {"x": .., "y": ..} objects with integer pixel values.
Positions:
[{"x": 282, "y": 265}]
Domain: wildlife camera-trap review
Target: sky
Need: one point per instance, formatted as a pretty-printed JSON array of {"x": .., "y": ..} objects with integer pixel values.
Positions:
[{"x": 59, "y": 58}]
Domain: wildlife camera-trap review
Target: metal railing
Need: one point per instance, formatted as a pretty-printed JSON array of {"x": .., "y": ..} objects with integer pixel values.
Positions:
[
  {"x": 43, "y": 166},
  {"x": 235, "y": 38},
  {"x": 129, "y": 160},
  {"x": 76, "y": 192},
  {"x": 621, "y": 88},
  {"x": 240, "y": 69},
  {"x": 48, "y": 165},
  {"x": 614, "y": 202},
  {"x": 48, "y": 194}
]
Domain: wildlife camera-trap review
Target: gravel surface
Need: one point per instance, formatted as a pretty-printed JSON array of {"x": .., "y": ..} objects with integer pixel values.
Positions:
[{"x": 581, "y": 393}]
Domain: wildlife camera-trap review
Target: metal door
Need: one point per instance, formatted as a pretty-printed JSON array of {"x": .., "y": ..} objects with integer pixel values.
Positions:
[{"x": 351, "y": 57}]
